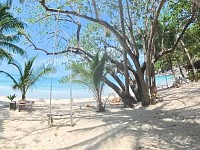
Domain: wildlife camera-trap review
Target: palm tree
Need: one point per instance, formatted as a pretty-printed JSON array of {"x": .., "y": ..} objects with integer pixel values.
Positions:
[
  {"x": 9, "y": 27},
  {"x": 91, "y": 76},
  {"x": 27, "y": 76}
]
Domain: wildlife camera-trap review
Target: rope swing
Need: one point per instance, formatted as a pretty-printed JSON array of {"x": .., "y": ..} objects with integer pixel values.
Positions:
[
  {"x": 50, "y": 115},
  {"x": 51, "y": 81}
]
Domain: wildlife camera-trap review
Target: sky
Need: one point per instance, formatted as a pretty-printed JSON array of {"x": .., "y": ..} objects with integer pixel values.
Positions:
[
  {"x": 47, "y": 43},
  {"x": 39, "y": 35}
]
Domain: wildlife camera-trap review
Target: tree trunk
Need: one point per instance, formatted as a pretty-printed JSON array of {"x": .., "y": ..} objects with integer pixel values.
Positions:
[
  {"x": 144, "y": 90},
  {"x": 119, "y": 82},
  {"x": 191, "y": 62},
  {"x": 153, "y": 86},
  {"x": 124, "y": 50},
  {"x": 147, "y": 71},
  {"x": 146, "y": 98},
  {"x": 179, "y": 66},
  {"x": 101, "y": 106},
  {"x": 127, "y": 99},
  {"x": 95, "y": 9},
  {"x": 23, "y": 95},
  {"x": 136, "y": 88},
  {"x": 138, "y": 93},
  {"x": 171, "y": 66},
  {"x": 197, "y": 2}
]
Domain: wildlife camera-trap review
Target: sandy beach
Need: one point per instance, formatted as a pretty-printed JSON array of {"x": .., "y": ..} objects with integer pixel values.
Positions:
[{"x": 171, "y": 124}]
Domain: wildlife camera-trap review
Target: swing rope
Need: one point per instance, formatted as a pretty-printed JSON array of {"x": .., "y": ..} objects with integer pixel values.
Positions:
[
  {"x": 53, "y": 61},
  {"x": 71, "y": 98},
  {"x": 51, "y": 86}
]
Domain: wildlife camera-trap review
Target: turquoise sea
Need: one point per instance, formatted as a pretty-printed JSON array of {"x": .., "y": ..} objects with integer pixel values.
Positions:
[{"x": 59, "y": 90}]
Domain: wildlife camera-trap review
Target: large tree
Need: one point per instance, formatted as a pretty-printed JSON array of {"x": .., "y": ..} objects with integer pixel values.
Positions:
[{"x": 130, "y": 27}]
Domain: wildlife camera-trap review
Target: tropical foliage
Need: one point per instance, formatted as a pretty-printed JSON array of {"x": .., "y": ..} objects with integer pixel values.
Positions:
[
  {"x": 9, "y": 36},
  {"x": 137, "y": 36},
  {"x": 11, "y": 97},
  {"x": 90, "y": 75},
  {"x": 27, "y": 76}
]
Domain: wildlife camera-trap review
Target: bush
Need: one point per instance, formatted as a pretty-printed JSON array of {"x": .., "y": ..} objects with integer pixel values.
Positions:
[{"x": 193, "y": 76}]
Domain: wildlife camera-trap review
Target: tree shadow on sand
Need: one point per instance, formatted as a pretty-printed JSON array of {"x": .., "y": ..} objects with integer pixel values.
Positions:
[
  {"x": 164, "y": 129},
  {"x": 154, "y": 127},
  {"x": 4, "y": 115}
]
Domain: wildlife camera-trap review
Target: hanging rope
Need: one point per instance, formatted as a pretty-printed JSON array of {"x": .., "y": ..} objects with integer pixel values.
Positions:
[
  {"x": 53, "y": 59},
  {"x": 51, "y": 87},
  {"x": 71, "y": 98}
]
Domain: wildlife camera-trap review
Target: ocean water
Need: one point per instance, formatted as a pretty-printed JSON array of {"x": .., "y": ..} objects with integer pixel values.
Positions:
[
  {"x": 164, "y": 80},
  {"x": 59, "y": 90}
]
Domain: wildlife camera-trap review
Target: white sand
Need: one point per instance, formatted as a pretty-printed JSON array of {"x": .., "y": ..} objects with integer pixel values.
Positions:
[{"x": 173, "y": 123}]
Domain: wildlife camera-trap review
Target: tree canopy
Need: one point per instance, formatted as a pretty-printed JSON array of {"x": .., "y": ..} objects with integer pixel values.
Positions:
[
  {"x": 9, "y": 33},
  {"x": 134, "y": 35}
]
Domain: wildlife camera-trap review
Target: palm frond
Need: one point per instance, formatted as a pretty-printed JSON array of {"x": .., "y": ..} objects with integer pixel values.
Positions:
[
  {"x": 28, "y": 76},
  {"x": 4, "y": 18},
  {"x": 3, "y": 8},
  {"x": 95, "y": 62},
  {"x": 12, "y": 48},
  {"x": 7, "y": 18},
  {"x": 98, "y": 72},
  {"x": 10, "y": 25},
  {"x": 9, "y": 38},
  {"x": 17, "y": 65},
  {"x": 10, "y": 76},
  {"x": 90, "y": 75},
  {"x": 80, "y": 70},
  {"x": 38, "y": 73},
  {"x": 27, "y": 72},
  {"x": 5, "y": 54}
]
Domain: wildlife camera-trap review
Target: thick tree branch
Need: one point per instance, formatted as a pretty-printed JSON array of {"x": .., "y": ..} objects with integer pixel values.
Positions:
[
  {"x": 197, "y": 2},
  {"x": 155, "y": 24},
  {"x": 75, "y": 50},
  {"x": 162, "y": 53},
  {"x": 121, "y": 84},
  {"x": 107, "y": 45},
  {"x": 113, "y": 86},
  {"x": 101, "y": 22},
  {"x": 95, "y": 9},
  {"x": 78, "y": 33},
  {"x": 131, "y": 31}
]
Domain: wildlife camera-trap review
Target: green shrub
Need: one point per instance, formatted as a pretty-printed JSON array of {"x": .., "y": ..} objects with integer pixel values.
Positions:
[{"x": 11, "y": 97}]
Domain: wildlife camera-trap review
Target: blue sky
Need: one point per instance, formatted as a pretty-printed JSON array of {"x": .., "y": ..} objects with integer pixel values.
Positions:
[{"x": 34, "y": 31}]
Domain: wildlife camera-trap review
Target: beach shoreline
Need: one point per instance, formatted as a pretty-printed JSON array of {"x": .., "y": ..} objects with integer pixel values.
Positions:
[
  {"x": 62, "y": 91},
  {"x": 173, "y": 123}
]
